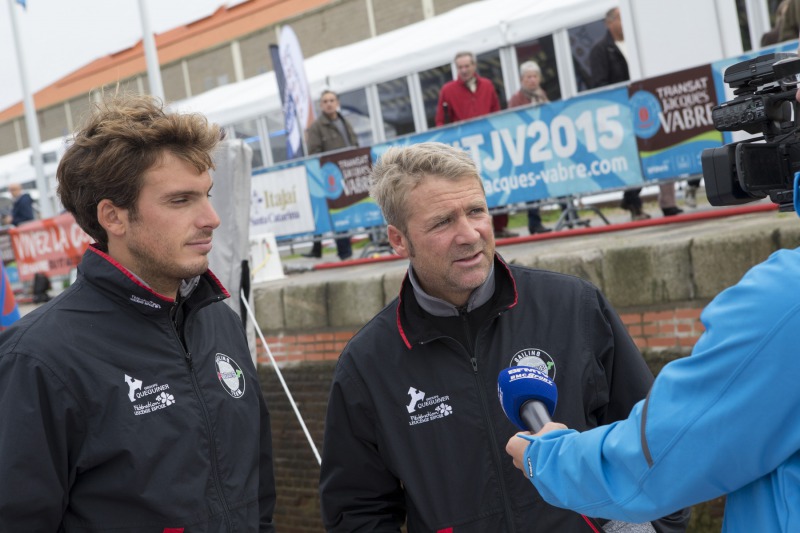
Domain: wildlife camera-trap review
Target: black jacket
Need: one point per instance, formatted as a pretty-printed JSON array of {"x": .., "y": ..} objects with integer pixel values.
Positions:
[
  {"x": 110, "y": 425},
  {"x": 607, "y": 63},
  {"x": 414, "y": 428}
]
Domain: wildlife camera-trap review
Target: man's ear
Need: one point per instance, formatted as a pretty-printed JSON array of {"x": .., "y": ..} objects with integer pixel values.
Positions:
[
  {"x": 113, "y": 219},
  {"x": 398, "y": 241}
]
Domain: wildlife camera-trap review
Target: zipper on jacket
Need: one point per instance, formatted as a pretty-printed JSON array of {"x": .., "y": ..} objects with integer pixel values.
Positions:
[
  {"x": 488, "y": 420},
  {"x": 207, "y": 419},
  {"x": 462, "y": 313}
]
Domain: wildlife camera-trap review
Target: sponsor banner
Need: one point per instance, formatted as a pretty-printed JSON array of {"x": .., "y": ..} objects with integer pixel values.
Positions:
[
  {"x": 52, "y": 246},
  {"x": 725, "y": 93},
  {"x": 346, "y": 178},
  {"x": 280, "y": 202},
  {"x": 672, "y": 121},
  {"x": 572, "y": 147}
]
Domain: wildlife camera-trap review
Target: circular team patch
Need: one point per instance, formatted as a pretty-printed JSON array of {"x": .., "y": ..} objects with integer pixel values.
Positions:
[
  {"x": 230, "y": 375},
  {"x": 536, "y": 358}
]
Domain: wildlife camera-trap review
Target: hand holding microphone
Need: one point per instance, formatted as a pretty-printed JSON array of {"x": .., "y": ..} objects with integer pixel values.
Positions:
[{"x": 528, "y": 397}]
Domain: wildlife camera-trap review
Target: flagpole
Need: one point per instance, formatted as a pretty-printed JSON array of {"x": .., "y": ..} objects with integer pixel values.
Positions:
[
  {"x": 31, "y": 122},
  {"x": 151, "y": 55}
]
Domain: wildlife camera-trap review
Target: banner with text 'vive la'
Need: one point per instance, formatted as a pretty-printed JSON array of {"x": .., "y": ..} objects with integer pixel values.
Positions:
[{"x": 573, "y": 147}]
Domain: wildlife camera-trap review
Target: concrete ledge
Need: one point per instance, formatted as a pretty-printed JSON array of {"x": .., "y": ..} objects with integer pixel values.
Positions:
[
  {"x": 645, "y": 267},
  {"x": 354, "y": 302}
]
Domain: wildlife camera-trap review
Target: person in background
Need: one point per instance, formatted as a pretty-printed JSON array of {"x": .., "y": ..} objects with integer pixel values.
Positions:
[
  {"x": 773, "y": 36},
  {"x": 470, "y": 96},
  {"x": 130, "y": 401},
  {"x": 331, "y": 131},
  {"x": 531, "y": 92},
  {"x": 414, "y": 431},
  {"x": 789, "y": 21},
  {"x": 22, "y": 209},
  {"x": 608, "y": 60}
]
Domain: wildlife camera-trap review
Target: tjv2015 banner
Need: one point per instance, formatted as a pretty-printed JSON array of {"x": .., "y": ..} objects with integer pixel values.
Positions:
[{"x": 577, "y": 146}]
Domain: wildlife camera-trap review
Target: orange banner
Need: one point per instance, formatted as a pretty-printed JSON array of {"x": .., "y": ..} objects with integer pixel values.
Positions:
[{"x": 53, "y": 246}]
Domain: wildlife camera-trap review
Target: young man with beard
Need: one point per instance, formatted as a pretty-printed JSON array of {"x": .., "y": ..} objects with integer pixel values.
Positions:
[
  {"x": 414, "y": 432},
  {"x": 130, "y": 402}
]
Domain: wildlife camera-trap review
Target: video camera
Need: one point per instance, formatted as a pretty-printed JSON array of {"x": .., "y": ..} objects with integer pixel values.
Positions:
[{"x": 764, "y": 102}]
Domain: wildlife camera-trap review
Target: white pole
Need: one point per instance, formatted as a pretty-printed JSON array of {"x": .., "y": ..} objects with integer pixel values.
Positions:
[
  {"x": 45, "y": 203},
  {"x": 151, "y": 55},
  {"x": 280, "y": 377}
]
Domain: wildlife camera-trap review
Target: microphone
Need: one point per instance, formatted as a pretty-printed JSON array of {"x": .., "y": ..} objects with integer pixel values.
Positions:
[{"x": 528, "y": 396}]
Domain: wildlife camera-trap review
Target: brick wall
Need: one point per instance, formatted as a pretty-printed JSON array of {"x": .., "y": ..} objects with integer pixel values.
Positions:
[{"x": 674, "y": 331}]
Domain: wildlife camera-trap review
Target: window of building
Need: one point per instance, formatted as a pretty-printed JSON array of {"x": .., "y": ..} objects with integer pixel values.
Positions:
[
  {"x": 543, "y": 53},
  {"x": 396, "y": 108},
  {"x": 353, "y": 106},
  {"x": 431, "y": 82}
]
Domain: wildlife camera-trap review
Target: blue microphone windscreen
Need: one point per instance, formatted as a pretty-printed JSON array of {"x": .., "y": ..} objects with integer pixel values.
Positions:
[{"x": 518, "y": 384}]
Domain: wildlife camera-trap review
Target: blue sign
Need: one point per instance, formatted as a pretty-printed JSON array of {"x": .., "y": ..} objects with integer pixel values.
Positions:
[{"x": 571, "y": 147}]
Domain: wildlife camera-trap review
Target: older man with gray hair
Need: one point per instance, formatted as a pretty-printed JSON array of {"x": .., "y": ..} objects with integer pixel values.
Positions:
[
  {"x": 414, "y": 431},
  {"x": 531, "y": 92}
]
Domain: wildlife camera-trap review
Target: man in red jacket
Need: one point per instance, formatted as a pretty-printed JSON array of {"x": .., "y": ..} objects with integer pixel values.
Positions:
[{"x": 468, "y": 97}]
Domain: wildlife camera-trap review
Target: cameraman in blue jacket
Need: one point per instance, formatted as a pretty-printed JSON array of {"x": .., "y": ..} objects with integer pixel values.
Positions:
[{"x": 723, "y": 421}]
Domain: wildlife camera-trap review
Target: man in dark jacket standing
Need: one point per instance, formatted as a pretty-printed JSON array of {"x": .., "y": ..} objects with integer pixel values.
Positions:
[
  {"x": 329, "y": 132},
  {"x": 414, "y": 431},
  {"x": 22, "y": 210},
  {"x": 130, "y": 402},
  {"x": 610, "y": 65}
]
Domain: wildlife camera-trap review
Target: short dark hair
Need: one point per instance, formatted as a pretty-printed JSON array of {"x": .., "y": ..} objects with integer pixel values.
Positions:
[{"x": 124, "y": 137}]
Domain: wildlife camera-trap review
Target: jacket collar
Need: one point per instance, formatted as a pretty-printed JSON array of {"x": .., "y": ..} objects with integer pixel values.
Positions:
[
  {"x": 412, "y": 326},
  {"x": 103, "y": 271},
  {"x": 438, "y": 307}
]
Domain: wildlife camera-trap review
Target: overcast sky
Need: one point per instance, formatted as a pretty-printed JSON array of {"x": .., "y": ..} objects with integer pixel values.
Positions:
[{"x": 60, "y": 36}]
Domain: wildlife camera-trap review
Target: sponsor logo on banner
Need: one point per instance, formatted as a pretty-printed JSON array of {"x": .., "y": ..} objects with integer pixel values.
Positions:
[
  {"x": 672, "y": 122},
  {"x": 346, "y": 180},
  {"x": 280, "y": 202}
]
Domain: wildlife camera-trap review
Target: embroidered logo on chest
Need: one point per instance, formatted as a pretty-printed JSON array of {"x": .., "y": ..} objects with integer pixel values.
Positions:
[
  {"x": 148, "y": 398},
  {"x": 422, "y": 408},
  {"x": 230, "y": 375},
  {"x": 535, "y": 358}
]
